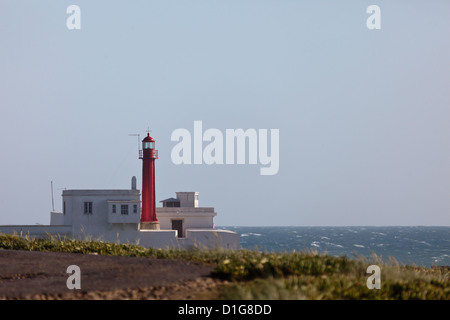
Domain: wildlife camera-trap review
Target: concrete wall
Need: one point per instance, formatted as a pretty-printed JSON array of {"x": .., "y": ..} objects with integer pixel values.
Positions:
[
  {"x": 37, "y": 230},
  {"x": 158, "y": 238},
  {"x": 195, "y": 238},
  {"x": 117, "y": 233},
  {"x": 56, "y": 218},
  {"x": 213, "y": 238}
]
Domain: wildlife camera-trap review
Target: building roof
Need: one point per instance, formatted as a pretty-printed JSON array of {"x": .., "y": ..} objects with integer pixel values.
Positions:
[
  {"x": 100, "y": 192},
  {"x": 170, "y": 200}
]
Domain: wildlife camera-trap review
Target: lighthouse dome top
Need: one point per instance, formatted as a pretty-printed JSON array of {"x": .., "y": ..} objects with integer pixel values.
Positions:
[{"x": 148, "y": 138}]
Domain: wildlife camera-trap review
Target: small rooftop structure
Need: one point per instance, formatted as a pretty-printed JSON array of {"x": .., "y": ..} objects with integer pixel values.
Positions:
[
  {"x": 170, "y": 203},
  {"x": 183, "y": 213}
]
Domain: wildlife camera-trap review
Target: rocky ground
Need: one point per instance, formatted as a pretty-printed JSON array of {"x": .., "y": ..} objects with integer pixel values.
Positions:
[{"x": 43, "y": 275}]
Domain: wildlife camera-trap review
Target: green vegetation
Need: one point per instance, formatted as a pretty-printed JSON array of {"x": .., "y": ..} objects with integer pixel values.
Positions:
[{"x": 262, "y": 275}]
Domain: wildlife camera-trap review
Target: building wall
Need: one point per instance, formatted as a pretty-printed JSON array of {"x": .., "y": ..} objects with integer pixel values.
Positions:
[
  {"x": 202, "y": 218},
  {"x": 188, "y": 199},
  {"x": 101, "y": 221}
]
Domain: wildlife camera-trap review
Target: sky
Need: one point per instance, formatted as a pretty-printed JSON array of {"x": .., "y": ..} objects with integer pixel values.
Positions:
[{"x": 363, "y": 115}]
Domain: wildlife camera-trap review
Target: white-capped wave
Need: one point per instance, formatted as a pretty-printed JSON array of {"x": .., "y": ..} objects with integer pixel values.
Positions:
[
  {"x": 250, "y": 234},
  {"x": 424, "y": 242},
  {"x": 315, "y": 244},
  {"x": 334, "y": 244}
]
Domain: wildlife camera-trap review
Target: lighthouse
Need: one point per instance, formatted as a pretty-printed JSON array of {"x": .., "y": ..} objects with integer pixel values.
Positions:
[
  {"x": 129, "y": 215},
  {"x": 148, "y": 156}
]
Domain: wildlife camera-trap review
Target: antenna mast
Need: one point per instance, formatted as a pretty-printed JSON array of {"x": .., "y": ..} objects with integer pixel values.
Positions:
[
  {"x": 53, "y": 201},
  {"x": 139, "y": 142}
]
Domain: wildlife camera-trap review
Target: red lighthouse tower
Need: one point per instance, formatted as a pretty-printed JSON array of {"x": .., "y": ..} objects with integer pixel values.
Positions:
[{"x": 148, "y": 156}]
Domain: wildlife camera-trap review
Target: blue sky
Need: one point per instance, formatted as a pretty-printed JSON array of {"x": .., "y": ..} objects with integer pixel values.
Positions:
[{"x": 363, "y": 115}]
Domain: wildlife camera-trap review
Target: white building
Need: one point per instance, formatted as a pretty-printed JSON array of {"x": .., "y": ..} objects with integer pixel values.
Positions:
[
  {"x": 114, "y": 216},
  {"x": 183, "y": 214}
]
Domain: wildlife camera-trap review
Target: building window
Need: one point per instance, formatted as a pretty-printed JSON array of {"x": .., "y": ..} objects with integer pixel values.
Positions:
[
  {"x": 113, "y": 208},
  {"x": 172, "y": 204},
  {"x": 135, "y": 208},
  {"x": 88, "y": 208},
  {"x": 64, "y": 208},
  {"x": 124, "y": 209}
]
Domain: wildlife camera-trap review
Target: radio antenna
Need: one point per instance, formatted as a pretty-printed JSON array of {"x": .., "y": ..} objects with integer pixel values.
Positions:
[
  {"x": 139, "y": 141},
  {"x": 53, "y": 201}
]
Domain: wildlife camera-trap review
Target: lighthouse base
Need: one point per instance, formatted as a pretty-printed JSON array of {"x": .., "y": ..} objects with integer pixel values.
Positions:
[{"x": 150, "y": 225}]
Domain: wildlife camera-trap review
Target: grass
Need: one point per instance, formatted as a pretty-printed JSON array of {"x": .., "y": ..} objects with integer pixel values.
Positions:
[{"x": 262, "y": 275}]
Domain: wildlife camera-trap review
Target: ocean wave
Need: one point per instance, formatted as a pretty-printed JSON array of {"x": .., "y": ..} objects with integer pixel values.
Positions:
[
  {"x": 315, "y": 244},
  {"x": 358, "y": 245},
  {"x": 250, "y": 234},
  {"x": 334, "y": 244},
  {"x": 423, "y": 242},
  {"x": 440, "y": 258}
]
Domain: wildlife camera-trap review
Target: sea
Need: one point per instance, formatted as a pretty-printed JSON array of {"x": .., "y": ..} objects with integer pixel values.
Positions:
[{"x": 420, "y": 246}]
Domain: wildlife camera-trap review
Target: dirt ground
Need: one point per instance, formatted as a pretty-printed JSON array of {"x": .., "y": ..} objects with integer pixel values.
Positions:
[{"x": 42, "y": 275}]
